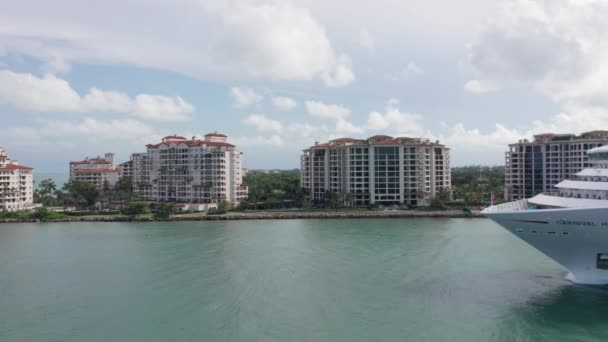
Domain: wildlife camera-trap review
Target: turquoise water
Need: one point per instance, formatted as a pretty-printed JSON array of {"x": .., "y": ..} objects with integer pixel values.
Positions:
[{"x": 300, "y": 280}]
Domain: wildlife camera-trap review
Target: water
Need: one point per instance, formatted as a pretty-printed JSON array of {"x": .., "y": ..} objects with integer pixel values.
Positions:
[
  {"x": 60, "y": 178},
  {"x": 300, "y": 280}
]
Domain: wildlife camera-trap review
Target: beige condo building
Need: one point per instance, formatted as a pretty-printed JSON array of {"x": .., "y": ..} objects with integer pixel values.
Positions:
[
  {"x": 534, "y": 167},
  {"x": 379, "y": 170},
  {"x": 190, "y": 171},
  {"x": 16, "y": 185},
  {"x": 97, "y": 171}
]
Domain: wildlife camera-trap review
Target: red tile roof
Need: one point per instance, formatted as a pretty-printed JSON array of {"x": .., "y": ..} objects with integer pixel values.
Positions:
[
  {"x": 387, "y": 142},
  {"x": 191, "y": 143},
  {"x": 96, "y": 171},
  {"x": 380, "y": 137},
  {"x": 174, "y": 137},
  {"x": 15, "y": 167},
  {"x": 215, "y": 134},
  {"x": 91, "y": 161}
]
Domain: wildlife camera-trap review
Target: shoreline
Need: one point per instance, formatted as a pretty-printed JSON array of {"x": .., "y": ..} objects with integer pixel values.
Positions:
[{"x": 276, "y": 215}]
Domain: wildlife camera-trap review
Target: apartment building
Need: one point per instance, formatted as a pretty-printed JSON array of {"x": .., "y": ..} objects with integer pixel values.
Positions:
[
  {"x": 97, "y": 171},
  {"x": 533, "y": 167},
  {"x": 381, "y": 170},
  {"x": 16, "y": 185},
  {"x": 190, "y": 170}
]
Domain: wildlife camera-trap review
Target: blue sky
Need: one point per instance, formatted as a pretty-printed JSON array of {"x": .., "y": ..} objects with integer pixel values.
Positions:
[{"x": 80, "y": 80}]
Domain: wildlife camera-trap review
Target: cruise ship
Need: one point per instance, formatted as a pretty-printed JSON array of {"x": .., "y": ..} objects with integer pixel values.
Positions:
[{"x": 570, "y": 225}]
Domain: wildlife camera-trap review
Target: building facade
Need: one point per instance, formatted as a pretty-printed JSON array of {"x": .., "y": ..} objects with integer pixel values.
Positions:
[
  {"x": 97, "y": 171},
  {"x": 16, "y": 185},
  {"x": 534, "y": 167},
  {"x": 379, "y": 170},
  {"x": 190, "y": 171}
]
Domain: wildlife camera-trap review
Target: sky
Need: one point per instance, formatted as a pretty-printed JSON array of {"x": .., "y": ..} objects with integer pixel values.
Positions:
[{"x": 82, "y": 78}]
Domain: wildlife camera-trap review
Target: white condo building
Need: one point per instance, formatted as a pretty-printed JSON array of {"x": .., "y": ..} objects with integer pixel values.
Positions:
[
  {"x": 534, "y": 167},
  {"x": 16, "y": 185},
  {"x": 190, "y": 171},
  {"x": 97, "y": 171},
  {"x": 378, "y": 170}
]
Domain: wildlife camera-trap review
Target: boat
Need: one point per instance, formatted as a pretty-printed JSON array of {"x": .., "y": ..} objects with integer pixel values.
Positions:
[{"x": 570, "y": 224}]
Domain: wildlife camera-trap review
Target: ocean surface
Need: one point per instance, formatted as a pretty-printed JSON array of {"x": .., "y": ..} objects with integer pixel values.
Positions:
[{"x": 301, "y": 280}]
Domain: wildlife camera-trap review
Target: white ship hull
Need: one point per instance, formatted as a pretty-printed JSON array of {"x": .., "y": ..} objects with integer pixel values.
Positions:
[{"x": 576, "y": 238}]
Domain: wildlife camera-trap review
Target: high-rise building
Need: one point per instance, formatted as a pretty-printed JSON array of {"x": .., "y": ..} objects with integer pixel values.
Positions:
[
  {"x": 533, "y": 167},
  {"x": 190, "y": 170},
  {"x": 98, "y": 171},
  {"x": 379, "y": 170},
  {"x": 16, "y": 185}
]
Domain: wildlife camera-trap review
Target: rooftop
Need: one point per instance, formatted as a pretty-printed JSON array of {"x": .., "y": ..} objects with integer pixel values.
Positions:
[{"x": 15, "y": 167}]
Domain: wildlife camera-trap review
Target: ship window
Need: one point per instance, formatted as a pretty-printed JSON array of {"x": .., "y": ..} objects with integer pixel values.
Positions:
[
  {"x": 602, "y": 261},
  {"x": 551, "y": 233},
  {"x": 565, "y": 233},
  {"x": 534, "y": 232}
]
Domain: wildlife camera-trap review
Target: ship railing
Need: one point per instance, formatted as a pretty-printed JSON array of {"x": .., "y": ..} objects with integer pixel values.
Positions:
[{"x": 509, "y": 206}]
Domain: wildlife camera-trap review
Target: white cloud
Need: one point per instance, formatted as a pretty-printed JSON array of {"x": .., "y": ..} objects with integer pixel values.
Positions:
[
  {"x": 344, "y": 126},
  {"x": 263, "y": 123},
  {"x": 342, "y": 74},
  {"x": 284, "y": 103},
  {"x": 396, "y": 121},
  {"x": 556, "y": 46},
  {"x": 277, "y": 40},
  {"x": 162, "y": 108},
  {"x": 95, "y": 130},
  {"x": 30, "y": 93},
  {"x": 327, "y": 111},
  {"x": 366, "y": 40},
  {"x": 106, "y": 101},
  {"x": 273, "y": 140},
  {"x": 244, "y": 97},
  {"x": 51, "y": 94},
  {"x": 88, "y": 129},
  {"x": 478, "y": 87}
]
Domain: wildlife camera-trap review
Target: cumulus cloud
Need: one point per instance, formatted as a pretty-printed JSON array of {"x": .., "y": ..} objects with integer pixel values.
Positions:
[
  {"x": 556, "y": 46},
  {"x": 327, "y": 111},
  {"x": 263, "y": 123},
  {"x": 344, "y": 126},
  {"x": 395, "y": 120},
  {"x": 244, "y": 97},
  {"x": 162, "y": 108},
  {"x": 51, "y": 94},
  {"x": 284, "y": 103},
  {"x": 341, "y": 75},
  {"x": 270, "y": 39}
]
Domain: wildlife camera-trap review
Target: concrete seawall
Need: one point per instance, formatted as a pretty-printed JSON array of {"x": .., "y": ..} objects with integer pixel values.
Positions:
[{"x": 273, "y": 216}]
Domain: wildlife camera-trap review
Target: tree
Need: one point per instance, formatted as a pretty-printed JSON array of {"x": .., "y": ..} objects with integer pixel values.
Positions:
[
  {"x": 332, "y": 200},
  {"x": 135, "y": 209},
  {"x": 123, "y": 190},
  {"x": 81, "y": 194},
  {"x": 165, "y": 210},
  {"x": 45, "y": 192}
]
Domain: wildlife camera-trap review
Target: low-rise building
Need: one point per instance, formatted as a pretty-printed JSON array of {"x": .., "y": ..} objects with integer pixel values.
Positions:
[
  {"x": 98, "y": 171},
  {"x": 378, "y": 170},
  {"x": 16, "y": 185},
  {"x": 534, "y": 167},
  {"x": 190, "y": 171}
]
